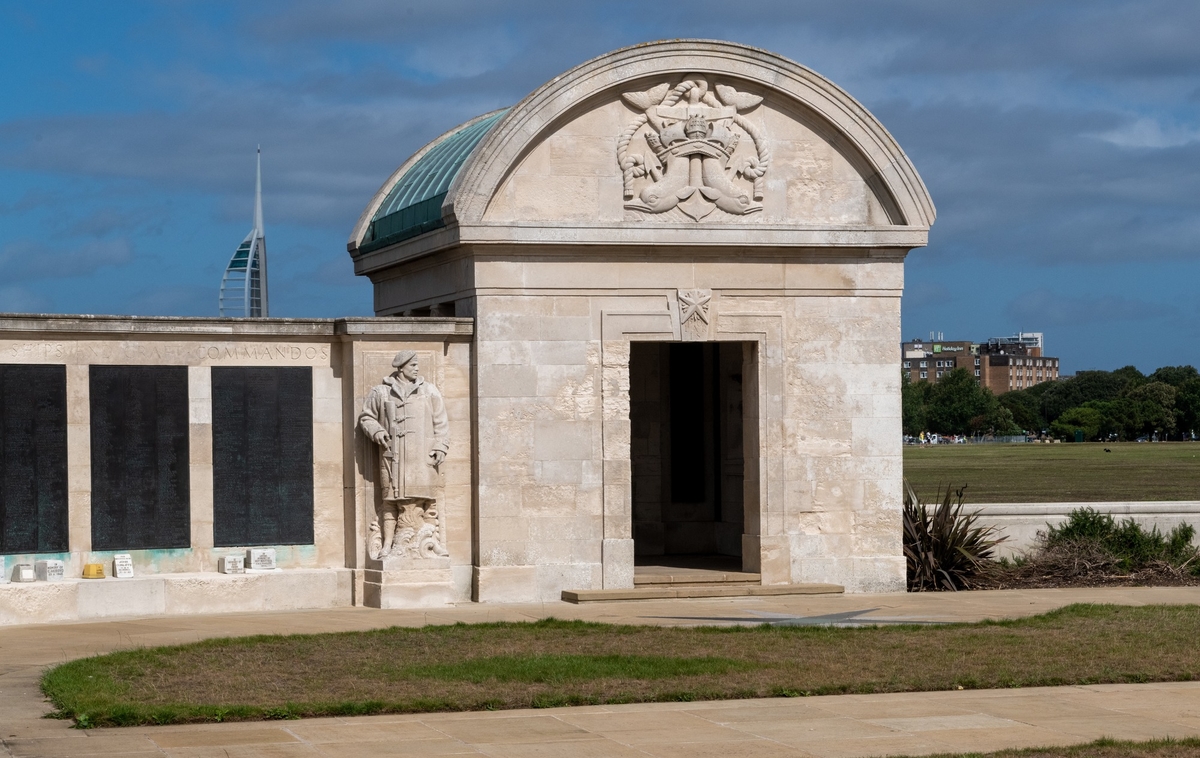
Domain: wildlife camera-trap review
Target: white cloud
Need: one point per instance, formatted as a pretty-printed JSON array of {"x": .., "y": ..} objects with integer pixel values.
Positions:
[{"x": 1150, "y": 133}]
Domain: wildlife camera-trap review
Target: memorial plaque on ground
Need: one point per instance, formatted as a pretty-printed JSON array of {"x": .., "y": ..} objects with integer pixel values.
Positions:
[
  {"x": 261, "y": 559},
  {"x": 123, "y": 566},
  {"x": 33, "y": 459},
  {"x": 140, "y": 495},
  {"x": 262, "y": 456},
  {"x": 232, "y": 564},
  {"x": 49, "y": 571},
  {"x": 23, "y": 572}
]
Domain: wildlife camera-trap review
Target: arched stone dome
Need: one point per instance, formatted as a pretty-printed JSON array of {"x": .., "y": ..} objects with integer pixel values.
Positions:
[{"x": 794, "y": 160}]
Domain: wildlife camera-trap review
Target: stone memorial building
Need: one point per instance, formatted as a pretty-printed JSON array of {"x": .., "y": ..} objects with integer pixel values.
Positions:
[{"x": 647, "y": 315}]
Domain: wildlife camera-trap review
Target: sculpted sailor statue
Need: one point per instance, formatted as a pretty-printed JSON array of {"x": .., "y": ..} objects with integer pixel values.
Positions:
[{"x": 406, "y": 418}]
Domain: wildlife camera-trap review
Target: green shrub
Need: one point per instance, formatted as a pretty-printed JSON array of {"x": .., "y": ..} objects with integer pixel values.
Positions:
[
  {"x": 943, "y": 548},
  {"x": 1082, "y": 524},
  {"x": 1127, "y": 542}
]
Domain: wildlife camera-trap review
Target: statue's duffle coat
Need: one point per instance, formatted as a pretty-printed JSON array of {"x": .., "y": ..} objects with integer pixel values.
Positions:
[{"x": 418, "y": 415}]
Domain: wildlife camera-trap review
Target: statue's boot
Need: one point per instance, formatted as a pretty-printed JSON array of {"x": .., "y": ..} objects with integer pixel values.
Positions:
[{"x": 389, "y": 536}]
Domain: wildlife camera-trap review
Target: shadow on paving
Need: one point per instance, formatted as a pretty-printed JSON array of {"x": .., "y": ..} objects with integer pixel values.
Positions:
[{"x": 846, "y": 619}]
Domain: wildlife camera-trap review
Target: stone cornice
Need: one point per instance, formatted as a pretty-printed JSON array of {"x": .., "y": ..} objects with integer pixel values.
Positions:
[
  {"x": 698, "y": 235},
  {"x": 15, "y": 324},
  {"x": 535, "y": 238}
]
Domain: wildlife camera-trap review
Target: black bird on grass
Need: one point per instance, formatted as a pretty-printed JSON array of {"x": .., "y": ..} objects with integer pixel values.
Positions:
[{"x": 1107, "y": 450}]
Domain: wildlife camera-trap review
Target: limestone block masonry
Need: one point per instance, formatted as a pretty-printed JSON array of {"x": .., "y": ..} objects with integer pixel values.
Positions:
[
  {"x": 683, "y": 192},
  {"x": 344, "y": 359}
]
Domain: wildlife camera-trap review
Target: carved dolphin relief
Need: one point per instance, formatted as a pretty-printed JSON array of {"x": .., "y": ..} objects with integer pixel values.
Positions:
[{"x": 693, "y": 135}]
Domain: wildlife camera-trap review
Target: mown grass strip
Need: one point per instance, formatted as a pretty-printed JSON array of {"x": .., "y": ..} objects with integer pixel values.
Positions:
[
  {"x": 557, "y": 669},
  {"x": 1188, "y": 747},
  {"x": 554, "y": 663}
]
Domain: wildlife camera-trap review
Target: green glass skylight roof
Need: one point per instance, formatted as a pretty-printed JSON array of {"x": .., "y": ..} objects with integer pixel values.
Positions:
[{"x": 414, "y": 204}]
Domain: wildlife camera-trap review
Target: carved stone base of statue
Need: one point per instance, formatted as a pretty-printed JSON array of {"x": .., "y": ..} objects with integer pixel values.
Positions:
[
  {"x": 418, "y": 531},
  {"x": 415, "y": 571},
  {"x": 398, "y": 582}
]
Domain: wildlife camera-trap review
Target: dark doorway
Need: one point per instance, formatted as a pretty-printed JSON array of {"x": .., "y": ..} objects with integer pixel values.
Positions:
[{"x": 686, "y": 448}]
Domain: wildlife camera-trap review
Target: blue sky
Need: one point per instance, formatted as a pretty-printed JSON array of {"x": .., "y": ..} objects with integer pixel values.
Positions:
[{"x": 1060, "y": 141}]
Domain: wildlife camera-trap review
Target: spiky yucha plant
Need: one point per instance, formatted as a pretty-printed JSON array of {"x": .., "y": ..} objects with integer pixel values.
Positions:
[{"x": 943, "y": 547}]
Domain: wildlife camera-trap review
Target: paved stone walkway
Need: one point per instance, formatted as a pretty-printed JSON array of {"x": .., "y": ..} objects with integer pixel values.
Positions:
[{"x": 858, "y": 725}]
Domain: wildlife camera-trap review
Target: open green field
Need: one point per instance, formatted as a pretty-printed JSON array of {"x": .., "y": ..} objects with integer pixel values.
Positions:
[
  {"x": 1066, "y": 472},
  {"x": 554, "y": 663}
]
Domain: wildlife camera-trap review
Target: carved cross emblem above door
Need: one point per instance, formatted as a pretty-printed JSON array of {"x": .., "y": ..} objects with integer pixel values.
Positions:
[
  {"x": 694, "y": 304},
  {"x": 694, "y": 314},
  {"x": 685, "y": 150}
]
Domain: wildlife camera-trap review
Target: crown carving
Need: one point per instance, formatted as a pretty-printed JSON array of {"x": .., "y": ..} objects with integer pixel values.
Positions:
[
  {"x": 696, "y": 127},
  {"x": 693, "y": 160}
]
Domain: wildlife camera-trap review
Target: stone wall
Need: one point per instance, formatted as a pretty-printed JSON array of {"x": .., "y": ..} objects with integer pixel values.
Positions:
[
  {"x": 822, "y": 414},
  {"x": 345, "y": 357},
  {"x": 1020, "y": 523}
]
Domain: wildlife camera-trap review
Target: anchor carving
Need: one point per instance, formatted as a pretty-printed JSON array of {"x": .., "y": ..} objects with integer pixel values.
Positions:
[{"x": 692, "y": 137}]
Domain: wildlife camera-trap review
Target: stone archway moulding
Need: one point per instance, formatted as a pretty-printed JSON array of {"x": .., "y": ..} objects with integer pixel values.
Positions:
[
  {"x": 885, "y": 167},
  {"x": 481, "y": 177},
  {"x": 764, "y": 542}
]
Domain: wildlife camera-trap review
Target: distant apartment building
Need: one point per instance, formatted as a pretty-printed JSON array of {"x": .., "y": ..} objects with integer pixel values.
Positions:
[
  {"x": 1001, "y": 363},
  {"x": 927, "y": 361}
]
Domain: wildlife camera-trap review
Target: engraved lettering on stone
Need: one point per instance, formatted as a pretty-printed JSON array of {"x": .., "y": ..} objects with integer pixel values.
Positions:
[
  {"x": 264, "y": 352},
  {"x": 260, "y": 559},
  {"x": 49, "y": 570},
  {"x": 690, "y": 138},
  {"x": 405, "y": 418},
  {"x": 34, "y": 350},
  {"x": 123, "y": 566}
]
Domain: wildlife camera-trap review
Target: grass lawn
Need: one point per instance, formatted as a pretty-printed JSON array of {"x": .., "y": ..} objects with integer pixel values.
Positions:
[
  {"x": 1185, "y": 748},
  {"x": 1067, "y": 472},
  {"x": 553, "y": 663}
]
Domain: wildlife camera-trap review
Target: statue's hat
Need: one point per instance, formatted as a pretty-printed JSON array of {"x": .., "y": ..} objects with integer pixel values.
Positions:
[{"x": 402, "y": 357}]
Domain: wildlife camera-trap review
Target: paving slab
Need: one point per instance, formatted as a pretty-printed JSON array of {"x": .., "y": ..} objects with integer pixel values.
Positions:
[{"x": 844, "y": 725}]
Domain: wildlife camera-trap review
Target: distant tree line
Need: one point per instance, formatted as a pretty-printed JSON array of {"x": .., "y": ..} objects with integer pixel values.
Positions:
[
  {"x": 1104, "y": 405},
  {"x": 954, "y": 404}
]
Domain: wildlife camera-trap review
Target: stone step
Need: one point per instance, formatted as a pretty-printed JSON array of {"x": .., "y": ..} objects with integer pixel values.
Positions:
[
  {"x": 683, "y": 576},
  {"x": 668, "y": 585},
  {"x": 670, "y": 592}
]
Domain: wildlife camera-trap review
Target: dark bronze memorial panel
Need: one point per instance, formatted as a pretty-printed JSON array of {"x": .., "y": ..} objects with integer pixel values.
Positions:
[
  {"x": 140, "y": 496},
  {"x": 262, "y": 456},
  {"x": 33, "y": 459}
]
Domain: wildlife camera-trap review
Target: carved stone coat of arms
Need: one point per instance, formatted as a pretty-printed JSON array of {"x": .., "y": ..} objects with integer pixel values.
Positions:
[{"x": 682, "y": 151}]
